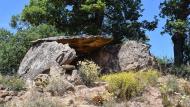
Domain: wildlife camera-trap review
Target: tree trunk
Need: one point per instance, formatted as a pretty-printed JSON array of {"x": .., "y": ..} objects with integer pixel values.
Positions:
[
  {"x": 178, "y": 41},
  {"x": 99, "y": 17}
]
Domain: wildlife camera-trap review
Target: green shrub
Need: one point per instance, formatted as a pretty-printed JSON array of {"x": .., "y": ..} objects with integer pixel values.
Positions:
[
  {"x": 184, "y": 101},
  {"x": 89, "y": 71},
  {"x": 164, "y": 60},
  {"x": 165, "y": 100},
  {"x": 12, "y": 82},
  {"x": 182, "y": 71},
  {"x": 13, "y": 47},
  {"x": 186, "y": 88},
  {"x": 128, "y": 84},
  {"x": 170, "y": 87},
  {"x": 41, "y": 81}
]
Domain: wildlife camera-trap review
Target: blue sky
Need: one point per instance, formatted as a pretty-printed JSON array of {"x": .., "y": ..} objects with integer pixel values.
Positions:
[{"x": 161, "y": 44}]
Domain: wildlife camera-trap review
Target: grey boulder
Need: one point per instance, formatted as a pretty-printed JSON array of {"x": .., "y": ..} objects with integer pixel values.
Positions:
[
  {"x": 130, "y": 55},
  {"x": 42, "y": 56}
]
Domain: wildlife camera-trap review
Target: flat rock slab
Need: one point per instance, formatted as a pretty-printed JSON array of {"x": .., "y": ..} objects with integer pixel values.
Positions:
[{"x": 82, "y": 44}]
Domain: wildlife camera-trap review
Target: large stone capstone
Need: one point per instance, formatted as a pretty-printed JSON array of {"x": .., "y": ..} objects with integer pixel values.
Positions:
[
  {"x": 42, "y": 56},
  {"x": 82, "y": 44},
  {"x": 130, "y": 55}
]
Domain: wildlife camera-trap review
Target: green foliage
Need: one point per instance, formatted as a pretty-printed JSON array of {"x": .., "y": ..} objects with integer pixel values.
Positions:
[
  {"x": 178, "y": 26},
  {"x": 182, "y": 71},
  {"x": 17, "y": 23},
  {"x": 186, "y": 88},
  {"x": 183, "y": 101},
  {"x": 41, "y": 81},
  {"x": 36, "y": 32},
  {"x": 4, "y": 35},
  {"x": 89, "y": 71},
  {"x": 170, "y": 87},
  {"x": 164, "y": 60},
  {"x": 12, "y": 83},
  {"x": 93, "y": 5},
  {"x": 34, "y": 14},
  {"x": 177, "y": 12},
  {"x": 116, "y": 17},
  {"x": 165, "y": 101},
  {"x": 11, "y": 55},
  {"x": 175, "y": 91},
  {"x": 129, "y": 84},
  {"x": 14, "y": 47},
  {"x": 11, "y": 50}
]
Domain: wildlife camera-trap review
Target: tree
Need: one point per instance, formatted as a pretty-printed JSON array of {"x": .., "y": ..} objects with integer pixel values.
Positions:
[
  {"x": 122, "y": 20},
  {"x": 177, "y": 25},
  {"x": 119, "y": 18},
  {"x": 13, "y": 47},
  {"x": 4, "y": 35}
]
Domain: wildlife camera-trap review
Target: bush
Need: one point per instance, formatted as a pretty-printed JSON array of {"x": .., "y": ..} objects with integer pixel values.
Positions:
[
  {"x": 13, "y": 47},
  {"x": 41, "y": 81},
  {"x": 165, "y": 100},
  {"x": 184, "y": 101},
  {"x": 164, "y": 60},
  {"x": 89, "y": 71},
  {"x": 186, "y": 88},
  {"x": 98, "y": 100},
  {"x": 183, "y": 71},
  {"x": 13, "y": 83},
  {"x": 128, "y": 84},
  {"x": 170, "y": 86}
]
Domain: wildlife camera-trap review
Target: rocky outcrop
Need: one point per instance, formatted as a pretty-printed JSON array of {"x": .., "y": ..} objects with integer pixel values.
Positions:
[
  {"x": 131, "y": 55},
  {"x": 66, "y": 72},
  {"x": 7, "y": 95},
  {"x": 56, "y": 51},
  {"x": 82, "y": 44},
  {"x": 151, "y": 97},
  {"x": 82, "y": 97},
  {"x": 42, "y": 56}
]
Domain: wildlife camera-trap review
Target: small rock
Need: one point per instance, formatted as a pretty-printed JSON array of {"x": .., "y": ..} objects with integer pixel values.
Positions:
[
  {"x": 41, "y": 80},
  {"x": 69, "y": 102},
  {"x": 13, "y": 93},
  {"x": 7, "y": 98},
  {"x": 68, "y": 67},
  {"x": 96, "y": 84},
  {"x": 79, "y": 87},
  {"x": 86, "y": 106},
  {"x": 4, "y": 94},
  {"x": 20, "y": 93},
  {"x": 2, "y": 100},
  {"x": 2, "y": 87}
]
